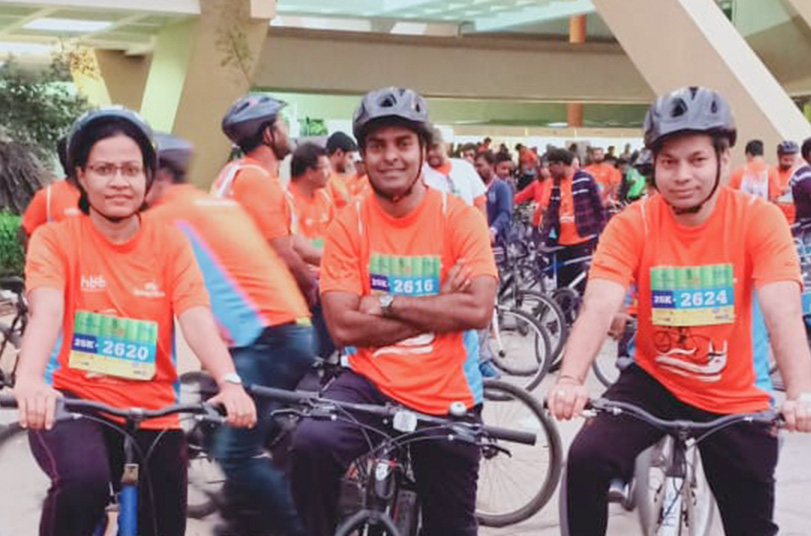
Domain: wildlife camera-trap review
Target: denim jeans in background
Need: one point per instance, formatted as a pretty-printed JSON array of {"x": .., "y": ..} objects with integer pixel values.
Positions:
[{"x": 278, "y": 358}]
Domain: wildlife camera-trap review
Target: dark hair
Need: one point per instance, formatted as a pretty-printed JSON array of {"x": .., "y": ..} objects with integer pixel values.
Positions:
[
  {"x": 468, "y": 147},
  {"x": 805, "y": 150},
  {"x": 503, "y": 157},
  {"x": 246, "y": 145},
  {"x": 62, "y": 153},
  {"x": 487, "y": 156},
  {"x": 305, "y": 157},
  {"x": 754, "y": 147},
  {"x": 101, "y": 130},
  {"x": 340, "y": 141},
  {"x": 178, "y": 175},
  {"x": 560, "y": 156}
]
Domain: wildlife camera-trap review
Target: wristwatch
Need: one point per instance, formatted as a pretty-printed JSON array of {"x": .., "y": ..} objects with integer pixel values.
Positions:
[
  {"x": 385, "y": 304},
  {"x": 232, "y": 377}
]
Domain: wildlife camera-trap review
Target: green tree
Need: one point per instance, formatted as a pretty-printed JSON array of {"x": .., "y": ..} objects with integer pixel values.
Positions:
[{"x": 37, "y": 107}]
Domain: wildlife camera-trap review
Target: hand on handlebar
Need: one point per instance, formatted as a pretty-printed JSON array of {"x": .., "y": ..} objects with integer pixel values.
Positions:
[
  {"x": 36, "y": 401},
  {"x": 567, "y": 399},
  {"x": 797, "y": 414},
  {"x": 239, "y": 407}
]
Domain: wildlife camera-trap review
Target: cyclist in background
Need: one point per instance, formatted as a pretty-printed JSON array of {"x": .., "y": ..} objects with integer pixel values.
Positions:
[
  {"x": 801, "y": 185},
  {"x": 405, "y": 272},
  {"x": 256, "y": 125},
  {"x": 787, "y": 163},
  {"x": 755, "y": 177},
  {"x": 574, "y": 216},
  {"x": 697, "y": 251},
  {"x": 104, "y": 290},
  {"x": 263, "y": 318},
  {"x": 342, "y": 150},
  {"x": 453, "y": 175},
  {"x": 55, "y": 202}
]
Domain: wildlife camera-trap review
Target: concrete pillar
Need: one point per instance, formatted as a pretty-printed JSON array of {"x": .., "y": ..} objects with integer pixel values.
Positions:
[
  {"x": 199, "y": 68},
  {"x": 124, "y": 76},
  {"x": 87, "y": 76},
  {"x": 577, "y": 36},
  {"x": 676, "y": 43}
]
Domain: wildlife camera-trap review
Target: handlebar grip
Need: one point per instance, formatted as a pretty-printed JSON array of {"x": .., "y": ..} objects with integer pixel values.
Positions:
[
  {"x": 8, "y": 401},
  {"x": 515, "y": 436},
  {"x": 279, "y": 395}
]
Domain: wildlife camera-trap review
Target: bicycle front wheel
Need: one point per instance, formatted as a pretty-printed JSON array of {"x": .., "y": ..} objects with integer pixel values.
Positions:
[
  {"x": 519, "y": 346},
  {"x": 650, "y": 490},
  {"x": 365, "y": 523},
  {"x": 515, "y": 485},
  {"x": 27, "y": 486}
]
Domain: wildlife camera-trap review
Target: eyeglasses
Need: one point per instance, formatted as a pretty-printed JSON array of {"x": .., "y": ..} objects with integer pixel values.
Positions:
[{"x": 107, "y": 170}]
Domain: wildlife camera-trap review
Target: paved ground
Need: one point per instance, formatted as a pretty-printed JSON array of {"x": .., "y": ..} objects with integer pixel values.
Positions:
[{"x": 23, "y": 486}]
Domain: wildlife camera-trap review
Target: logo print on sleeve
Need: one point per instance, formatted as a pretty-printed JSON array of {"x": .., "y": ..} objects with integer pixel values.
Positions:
[{"x": 114, "y": 346}]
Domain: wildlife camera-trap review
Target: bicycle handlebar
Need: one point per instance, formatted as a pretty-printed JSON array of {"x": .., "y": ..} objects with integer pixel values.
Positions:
[
  {"x": 678, "y": 425},
  {"x": 66, "y": 406},
  {"x": 386, "y": 411}
]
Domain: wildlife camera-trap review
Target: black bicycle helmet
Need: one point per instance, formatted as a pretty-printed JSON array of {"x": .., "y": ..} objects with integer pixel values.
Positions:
[
  {"x": 402, "y": 105},
  {"x": 249, "y": 114},
  {"x": 78, "y": 133},
  {"x": 787, "y": 147},
  {"x": 689, "y": 109},
  {"x": 174, "y": 151},
  {"x": 645, "y": 159}
]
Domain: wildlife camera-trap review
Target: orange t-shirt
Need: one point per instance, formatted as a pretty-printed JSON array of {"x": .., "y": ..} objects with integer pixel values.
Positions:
[
  {"x": 337, "y": 187},
  {"x": 368, "y": 251},
  {"x": 696, "y": 288},
  {"x": 250, "y": 286},
  {"x": 756, "y": 178},
  {"x": 358, "y": 185},
  {"x": 539, "y": 192},
  {"x": 311, "y": 215},
  {"x": 116, "y": 344},
  {"x": 607, "y": 177},
  {"x": 259, "y": 192},
  {"x": 54, "y": 202},
  {"x": 785, "y": 199}
]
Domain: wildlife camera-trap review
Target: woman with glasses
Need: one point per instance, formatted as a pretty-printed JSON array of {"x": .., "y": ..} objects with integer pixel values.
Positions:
[{"x": 104, "y": 290}]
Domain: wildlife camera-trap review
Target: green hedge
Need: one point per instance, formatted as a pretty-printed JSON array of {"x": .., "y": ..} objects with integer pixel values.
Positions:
[{"x": 12, "y": 256}]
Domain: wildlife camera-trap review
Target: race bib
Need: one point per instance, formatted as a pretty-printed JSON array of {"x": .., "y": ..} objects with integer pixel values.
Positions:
[
  {"x": 405, "y": 276},
  {"x": 692, "y": 295},
  {"x": 114, "y": 346}
]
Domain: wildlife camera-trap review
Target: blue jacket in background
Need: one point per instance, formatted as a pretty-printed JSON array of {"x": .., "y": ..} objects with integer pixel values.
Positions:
[{"x": 499, "y": 207}]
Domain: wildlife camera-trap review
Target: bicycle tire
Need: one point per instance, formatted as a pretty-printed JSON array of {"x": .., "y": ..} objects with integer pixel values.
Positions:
[
  {"x": 649, "y": 507},
  {"x": 12, "y": 339},
  {"x": 549, "y": 315},
  {"x": 606, "y": 368},
  {"x": 364, "y": 523},
  {"x": 519, "y": 346},
  {"x": 526, "y": 413},
  {"x": 204, "y": 478}
]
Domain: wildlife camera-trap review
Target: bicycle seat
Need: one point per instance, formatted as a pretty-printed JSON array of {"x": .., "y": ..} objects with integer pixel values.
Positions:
[{"x": 13, "y": 283}]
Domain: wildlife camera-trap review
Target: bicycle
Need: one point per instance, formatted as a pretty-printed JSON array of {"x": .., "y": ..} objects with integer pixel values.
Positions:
[
  {"x": 501, "y": 501},
  {"x": 11, "y": 334},
  {"x": 23, "y": 518},
  {"x": 383, "y": 477},
  {"x": 670, "y": 491}
]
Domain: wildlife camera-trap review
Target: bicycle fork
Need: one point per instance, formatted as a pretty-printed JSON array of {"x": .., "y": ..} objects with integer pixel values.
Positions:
[
  {"x": 671, "y": 512},
  {"x": 128, "y": 499}
]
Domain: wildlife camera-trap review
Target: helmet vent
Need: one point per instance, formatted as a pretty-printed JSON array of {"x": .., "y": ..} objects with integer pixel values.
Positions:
[
  {"x": 714, "y": 107},
  {"x": 387, "y": 102},
  {"x": 679, "y": 108}
]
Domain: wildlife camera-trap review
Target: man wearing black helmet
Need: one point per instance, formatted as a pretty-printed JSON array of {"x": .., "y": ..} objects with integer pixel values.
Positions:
[
  {"x": 801, "y": 185},
  {"x": 787, "y": 163},
  {"x": 405, "y": 272},
  {"x": 256, "y": 125},
  {"x": 700, "y": 254}
]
